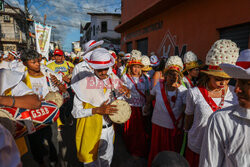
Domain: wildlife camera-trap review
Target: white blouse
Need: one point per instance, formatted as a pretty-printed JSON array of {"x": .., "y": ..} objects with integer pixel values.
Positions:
[
  {"x": 197, "y": 106},
  {"x": 143, "y": 84},
  {"x": 161, "y": 116}
]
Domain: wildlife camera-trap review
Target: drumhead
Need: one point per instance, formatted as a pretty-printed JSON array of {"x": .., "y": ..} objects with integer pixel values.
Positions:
[
  {"x": 55, "y": 97},
  {"x": 7, "y": 120},
  {"x": 123, "y": 113}
]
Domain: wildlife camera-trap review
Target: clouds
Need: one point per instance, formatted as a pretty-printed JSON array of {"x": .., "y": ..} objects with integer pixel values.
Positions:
[{"x": 66, "y": 15}]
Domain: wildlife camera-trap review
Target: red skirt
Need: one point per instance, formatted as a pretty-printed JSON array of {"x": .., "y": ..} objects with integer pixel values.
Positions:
[
  {"x": 192, "y": 158},
  {"x": 134, "y": 133},
  {"x": 163, "y": 140}
]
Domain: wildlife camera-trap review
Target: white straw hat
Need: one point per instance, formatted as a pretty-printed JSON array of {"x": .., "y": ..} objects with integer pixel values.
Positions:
[
  {"x": 174, "y": 63},
  {"x": 146, "y": 62},
  {"x": 101, "y": 59},
  {"x": 127, "y": 56},
  {"x": 242, "y": 68},
  {"x": 90, "y": 45},
  {"x": 190, "y": 60},
  {"x": 222, "y": 51}
]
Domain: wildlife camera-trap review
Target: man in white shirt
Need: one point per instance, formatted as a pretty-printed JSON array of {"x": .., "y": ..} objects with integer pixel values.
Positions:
[
  {"x": 94, "y": 130},
  {"x": 227, "y": 137}
]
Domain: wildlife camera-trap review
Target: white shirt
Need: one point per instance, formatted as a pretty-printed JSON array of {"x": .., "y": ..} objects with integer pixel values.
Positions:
[
  {"x": 197, "y": 106},
  {"x": 226, "y": 141},
  {"x": 20, "y": 90},
  {"x": 9, "y": 154},
  {"x": 5, "y": 64},
  {"x": 186, "y": 82},
  {"x": 161, "y": 116},
  {"x": 136, "y": 100},
  {"x": 120, "y": 71}
]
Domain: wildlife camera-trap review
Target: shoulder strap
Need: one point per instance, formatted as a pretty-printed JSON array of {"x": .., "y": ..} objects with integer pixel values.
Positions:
[
  {"x": 208, "y": 99},
  {"x": 168, "y": 107},
  {"x": 143, "y": 95}
]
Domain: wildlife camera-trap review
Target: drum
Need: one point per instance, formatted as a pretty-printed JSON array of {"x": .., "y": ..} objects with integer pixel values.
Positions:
[
  {"x": 15, "y": 119},
  {"x": 123, "y": 113},
  {"x": 56, "y": 97}
]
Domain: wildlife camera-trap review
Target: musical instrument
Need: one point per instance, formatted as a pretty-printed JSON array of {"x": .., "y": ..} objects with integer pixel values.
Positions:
[
  {"x": 15, "y": 119},
  {"x": 123, "y": 113},
  {"x": 56, "y": 97}
]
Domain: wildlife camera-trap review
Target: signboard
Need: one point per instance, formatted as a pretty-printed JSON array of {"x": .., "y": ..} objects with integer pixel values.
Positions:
[{"x": 43, "y": 33}]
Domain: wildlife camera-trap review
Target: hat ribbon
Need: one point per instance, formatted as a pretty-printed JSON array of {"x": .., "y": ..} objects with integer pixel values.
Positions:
[
  {"x": 155, "y": 62},
  {"x": 210, "y": 67},
  {"x": 99, "y": 62},
  {"x": 243, "y": 64},
  {"x": 92, "y": 43},
  {"x": 174, "y": 68}
]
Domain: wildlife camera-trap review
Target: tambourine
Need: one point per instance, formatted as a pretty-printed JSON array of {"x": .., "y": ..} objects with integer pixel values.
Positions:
[
  {"x": 123, "y": 113},
  {"x": 56, "y": 97},
  {"x": 14, "y": 119}
]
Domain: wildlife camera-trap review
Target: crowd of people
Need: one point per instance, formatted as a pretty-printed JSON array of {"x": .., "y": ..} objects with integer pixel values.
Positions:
[{"x": 200, "y": 111}]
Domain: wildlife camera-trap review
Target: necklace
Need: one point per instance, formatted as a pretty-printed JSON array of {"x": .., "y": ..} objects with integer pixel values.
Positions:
[{"x": 221, "y": 102}]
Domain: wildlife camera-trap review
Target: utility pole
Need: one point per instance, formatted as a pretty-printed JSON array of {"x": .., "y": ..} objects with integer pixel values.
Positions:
[{"x": 27, "y": 23}]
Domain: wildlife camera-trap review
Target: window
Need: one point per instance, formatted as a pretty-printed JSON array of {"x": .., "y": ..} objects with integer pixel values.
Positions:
[
  {"x": 104, "y": 26},
  {"x": 129, "y": 47},
  {"x": 142, "y": 45},
  {"x": 93, "y": 30},
  {"x": 239, "y": 34}
]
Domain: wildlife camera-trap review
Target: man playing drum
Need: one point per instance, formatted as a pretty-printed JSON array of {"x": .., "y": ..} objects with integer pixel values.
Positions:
[{"x": 94, "y": 130}]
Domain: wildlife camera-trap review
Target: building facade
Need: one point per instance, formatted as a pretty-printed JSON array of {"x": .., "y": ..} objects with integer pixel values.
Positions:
[
  {"x": 12, "y": 29},
  {"x": 169, "y": 26},
  {"x": 102, "y": 27}
]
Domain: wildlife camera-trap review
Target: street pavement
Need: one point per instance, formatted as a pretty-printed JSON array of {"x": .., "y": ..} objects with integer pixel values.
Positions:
[{"x": 67, "y": 151}]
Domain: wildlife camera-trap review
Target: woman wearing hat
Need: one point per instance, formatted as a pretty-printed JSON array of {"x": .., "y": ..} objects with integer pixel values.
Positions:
[
  {"x": 169, "y": 108},
  {"x": 135, "y": 136},
  {"x": 212, "y": 93},
  {"x": 231, "y": 147},
  {"x": 191, "y": 68}
]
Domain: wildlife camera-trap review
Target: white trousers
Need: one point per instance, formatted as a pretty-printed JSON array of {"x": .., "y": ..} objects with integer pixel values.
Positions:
[{"x": 105, "y": 150}]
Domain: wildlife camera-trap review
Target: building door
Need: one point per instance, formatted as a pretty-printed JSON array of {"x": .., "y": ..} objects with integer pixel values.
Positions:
[
  {"x": 239, "y": 34},
  {"x": 129, "y": 47},
  {"x": 142, "y": 45}
]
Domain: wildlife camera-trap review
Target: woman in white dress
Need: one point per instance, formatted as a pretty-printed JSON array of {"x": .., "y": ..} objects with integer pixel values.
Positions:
[
  {"x": 212, "y": 93},
  {"x": 135, "y": 135},
  {"x": 170, "y": 96}
]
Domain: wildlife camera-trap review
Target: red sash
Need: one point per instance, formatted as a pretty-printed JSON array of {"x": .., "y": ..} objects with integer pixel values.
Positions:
[
  {"x": 208, "y": 99},
  {"x": 169, "y": 109},
  {"x": 136, "y": 86},
  {"x": 190, "y": 82}
]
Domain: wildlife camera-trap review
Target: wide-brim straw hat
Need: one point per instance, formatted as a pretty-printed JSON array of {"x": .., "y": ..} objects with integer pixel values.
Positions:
[
  {"x": 90, "y": 45},
  {"x": 174, "y": 63},
  {"x": 215, "y": 71},
  {"x": 101, "y": 59},
  {"x": 222, "y": 51},
  {"x": 146, "y": 68},
  {"x": 242, "y": 68},
  {"x": 191, "y": 65}
]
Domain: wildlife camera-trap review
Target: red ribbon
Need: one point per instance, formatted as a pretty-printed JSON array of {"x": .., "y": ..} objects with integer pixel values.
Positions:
[
  {"x": 174, "y": 68},
  {"x": 210, "y": 67},
  {"x": 190, "y": 82},
  {"x": 208, "y": 99},
  {"x": 92, "y": 43},
  {"x": 155, "y": 62},
  {"x": 143, "y": 95},
  {"x": 243, "y": 64},
  {"x": 99, "y": 62}
]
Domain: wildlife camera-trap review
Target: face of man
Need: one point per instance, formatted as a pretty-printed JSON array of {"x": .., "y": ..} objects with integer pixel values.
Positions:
[
  {"x": 33, "y": 65},
  {"x": 101, "y": 73},
  {"x": 58, "y": 59},
  {"x": 242, "y": 90},
  {"x": 11, "y": 57}
]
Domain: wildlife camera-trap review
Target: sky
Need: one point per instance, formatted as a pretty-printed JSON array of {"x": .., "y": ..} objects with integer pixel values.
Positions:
[{"x": 66, "y": 15}]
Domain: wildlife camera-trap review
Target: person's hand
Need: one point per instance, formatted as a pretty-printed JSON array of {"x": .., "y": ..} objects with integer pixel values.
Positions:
[
  {"x": 66, "y": 79},
  {"x": 124, "y": 90},
  {"x": 71, "y": 70},
  {"x": 54, "y": 80},
  {"x": 105, "y": 109}
]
